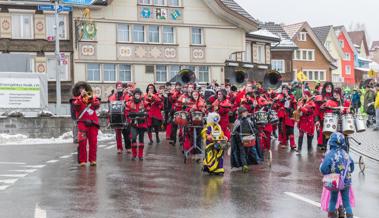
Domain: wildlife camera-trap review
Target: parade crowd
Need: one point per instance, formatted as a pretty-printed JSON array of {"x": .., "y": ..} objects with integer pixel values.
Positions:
[{"x": 208, "y": 121}]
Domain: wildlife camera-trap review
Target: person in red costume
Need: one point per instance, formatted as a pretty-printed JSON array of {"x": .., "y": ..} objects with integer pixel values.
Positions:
[
  {"x": 326, "y": 94},
  {"x": 136, "y": 111},
  {"x": 222, "y": 106},
  {"x": 88, "y": 122},
  {"x": 118, "y": 96},
  {"x": 176, "y": 106},
  {"x": 306, "y": 124},
  {"x": 196, "y": 104},
  {"x": 289, "y": 106},
  {"x": 265, "y": 131},
  {"x": 248, "y": 100},
  {"x": 154, "y": 107},
  {"x": 128, "y": 94}
]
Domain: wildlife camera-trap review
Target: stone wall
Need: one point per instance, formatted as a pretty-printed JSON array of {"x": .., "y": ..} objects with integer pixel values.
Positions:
[{"x": 40, "y": 127}]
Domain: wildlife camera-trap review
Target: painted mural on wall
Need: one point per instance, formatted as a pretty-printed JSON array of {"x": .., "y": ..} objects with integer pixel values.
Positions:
[{"x": 153, "y": 13}]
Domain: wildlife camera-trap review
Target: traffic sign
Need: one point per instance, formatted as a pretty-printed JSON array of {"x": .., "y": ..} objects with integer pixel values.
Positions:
[
  {"x": 78, "y": 2},
  {"x": 64, "y": 8},
  {"x": 45, "y": 7}
]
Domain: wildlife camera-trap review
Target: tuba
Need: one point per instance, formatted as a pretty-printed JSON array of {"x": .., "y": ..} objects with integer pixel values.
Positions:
[
  {"x": 238, "y": 77},
  {"x": 184, "y": 76},
  {"x": 272, "y": 80}
]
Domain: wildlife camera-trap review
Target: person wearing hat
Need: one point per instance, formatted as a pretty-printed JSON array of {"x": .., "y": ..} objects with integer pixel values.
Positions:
[
  {"x": 242, "y": 156},
  {"x": 154, "y": 107},
  {"x": 176, "y": 102},
  {"x": 306, "y": 124},
  {"x": 288, "y": 123},
  {"x": 85, "y": 107},
  {"x": 137, "y": 116},
  {"x": 118, "y": 95},
  {"x": 223, "y": 107}
]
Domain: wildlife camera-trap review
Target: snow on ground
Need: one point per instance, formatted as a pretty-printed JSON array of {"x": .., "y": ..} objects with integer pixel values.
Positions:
[{"x": 6, "y": 139}]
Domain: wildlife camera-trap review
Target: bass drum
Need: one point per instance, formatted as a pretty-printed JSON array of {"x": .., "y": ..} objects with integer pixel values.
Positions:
[
  {"x": 348, "y": 127},
  {"x": 360, "y": 123},
  {"x": 197, "y": 118},
  {"x": 117, "y": 118},
  {"x": 330, "y": 124},
  {"x": 273, "y": 117},
  {"x": 261, "y": 118},
  {"x": 249, "y": 141},
  {"x": 181, "y": 118}
]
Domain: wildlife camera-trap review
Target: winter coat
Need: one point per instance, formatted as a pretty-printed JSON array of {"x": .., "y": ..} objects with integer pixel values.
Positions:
[
  {"x": 369, "y": 98},
  {"x": 306, "y": 123},
  {"x": 336, "y": 158},
  {"x": 89, "y": 117}
]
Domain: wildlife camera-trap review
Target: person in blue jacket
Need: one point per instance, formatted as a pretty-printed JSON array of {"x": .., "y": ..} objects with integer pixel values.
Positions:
[{"x": 335, "y": 161}]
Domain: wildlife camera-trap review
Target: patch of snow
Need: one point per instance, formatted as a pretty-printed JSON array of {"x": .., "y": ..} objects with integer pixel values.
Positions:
[
  {"x": 265, "y": 33},
  {"x": 6, "y": 139},
  {"x": 15, "y": 113},
  {"x": 45, "y": 113}
]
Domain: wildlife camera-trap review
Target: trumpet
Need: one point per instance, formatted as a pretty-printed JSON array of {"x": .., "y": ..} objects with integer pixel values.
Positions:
[{"x": 87, "y": 96}]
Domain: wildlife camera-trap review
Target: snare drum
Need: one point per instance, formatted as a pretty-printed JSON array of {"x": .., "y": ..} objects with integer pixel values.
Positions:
[
  {"x": 197, "y": 118},
  {"x": 249, "y": 141},
  {"x": 360, "y": 123},
  {"x": 348, "y": 124},
  {"x": 261, "y": 117},
  {"x": 181, "y": 118},
  {"x": 116, "y": 114},
  {"x": 330, "y": 124},
  {"x": 273, "y": 117}
]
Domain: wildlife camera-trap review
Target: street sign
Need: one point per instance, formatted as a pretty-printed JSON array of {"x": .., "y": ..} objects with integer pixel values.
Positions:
[
  {"x": 45, "y": 7},
  {"x": 64, "y": 8},
  {"x": 78, "y": 2}
]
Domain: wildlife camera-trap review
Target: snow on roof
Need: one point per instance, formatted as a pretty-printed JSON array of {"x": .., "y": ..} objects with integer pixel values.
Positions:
[
  {"x": 286, "y": 43},
  {"x": 362, "y": 69},
  {"x": 364, "y": 59},
  {"x": 264, "y": 33}
]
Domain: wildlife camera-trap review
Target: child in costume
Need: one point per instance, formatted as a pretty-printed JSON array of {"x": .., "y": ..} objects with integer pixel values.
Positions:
[{"x": 215, "y": 141}]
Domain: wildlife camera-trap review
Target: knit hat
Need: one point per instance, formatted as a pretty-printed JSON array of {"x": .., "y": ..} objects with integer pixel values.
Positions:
[{"x": 241, "y": 110}]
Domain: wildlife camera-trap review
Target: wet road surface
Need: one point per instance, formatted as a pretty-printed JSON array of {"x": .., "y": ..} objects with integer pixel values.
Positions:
[{"x": 45, "y": 181}]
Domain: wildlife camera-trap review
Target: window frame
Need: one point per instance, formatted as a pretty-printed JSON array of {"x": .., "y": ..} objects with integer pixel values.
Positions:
[
  {"x": 263, "y": 55},
  {"x": 201, "y": 36},
  {"x": 100, "y": 73},
  {"x": 342, "y": 43},
  {"x": 283, "y": 62},
  {"x": 142, "y": 2},
  {"x": 156, "y": 73},
  {"x": 307, "y": 55},
  {"x": 67, "y": 67},
  {"x": 171, "y": 5},
  {"x": 158, "y": 34},
  {"x": 347, "y": 57},
  {"x": 197, "y": 72},
  {"x": 119, "y": 72},
  {"x": 348, "y": 72},
  {"x": 104, "y": 72},
  {"x": 144, "y": 35},
  {"x": 129, "y": 32},
  {"x": 164, "y": 3},
  {"x": 302, "y": 36},
  {"x": 173, "y": 35},
  {"x": 66, "y": 26},
  {"x": 314, "y": 72},
  {"x": 21, "y": 25}
]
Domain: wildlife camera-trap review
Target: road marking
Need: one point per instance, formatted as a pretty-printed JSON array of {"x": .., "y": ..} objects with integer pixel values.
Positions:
[
  {"x": 3, "y": 187},
  {"x": 39, "y": 212},
  {"x": 11, "y": 163},
  {"x": 24, "y": 171},
  {"x": 109, "y": 147},
  {"x": 13, "y": 175},
  {"x": 309, "y": 201},
  {"x": 65, "y": 156},
  {"x": 102, "y": 146},
  {"x": 8, "y": 181},
  {"x": 52, "y": 161},
  {"x": 35, "y": 166}
]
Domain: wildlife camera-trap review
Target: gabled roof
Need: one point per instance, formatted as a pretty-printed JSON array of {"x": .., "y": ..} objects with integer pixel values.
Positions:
[
  {"x": 285, "y": 42},
  {"x": 339, "y": 29},
  {"x": 230, "y": 11},
  {"x": 359, "y": 37},
  {"x": 293, "y": 29},
  {"x": 322, "y": 32},
  {"x": 375, "y": 45}
]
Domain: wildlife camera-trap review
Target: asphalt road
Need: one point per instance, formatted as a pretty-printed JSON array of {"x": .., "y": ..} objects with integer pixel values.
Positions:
[{"x": 42, "y": 181}]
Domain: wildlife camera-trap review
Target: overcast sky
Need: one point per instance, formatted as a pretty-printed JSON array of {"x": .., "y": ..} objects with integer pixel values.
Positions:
[{"x": 318, "y": 12}]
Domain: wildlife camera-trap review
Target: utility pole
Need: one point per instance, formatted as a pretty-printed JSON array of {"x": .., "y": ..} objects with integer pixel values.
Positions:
[{"x": 58, "y": 57}]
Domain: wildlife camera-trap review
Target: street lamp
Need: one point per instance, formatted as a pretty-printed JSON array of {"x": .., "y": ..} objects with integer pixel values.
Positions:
[{"x": 58, "y": 57}]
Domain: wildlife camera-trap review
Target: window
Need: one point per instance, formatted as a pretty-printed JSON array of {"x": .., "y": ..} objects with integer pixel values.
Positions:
[
  {"x": 22, "y": 26},
  {"x": 174, "y": 70},
  {"x": 161, "y": 73},
  {"x": 261, "y": 54},
  {"x": 93, "y": 72},
  {"x": 203, "y": 74},
  {"x": 109, "y": 72},
  {"x": 315, "y": 75},
  {"x": 154, "y": 33},
  {"x": 304, "y": 55},
  {"x": 159, "y": 2},
  {"x": 123, "y": 33},
  {"x": 302, "y": 36},
  {"x": 348, "y": 69},
  {"x": 50, "y": 24},
  {"x": 347, "y": 57},
  {"x": 138, "y": 33},
  {"x": 52, "y": 69},
  {"x": 168, "y": 34},
  {"x": 125, "y": 73},
  {"x": 144, "y": 2},
  {"x": 341, "y": 43},
  {"x": 173, "y": 3},
  {"x": 327, "y": 45},
  {"x": 278, "y": 65},
  {"x": 197, "y": 36}
]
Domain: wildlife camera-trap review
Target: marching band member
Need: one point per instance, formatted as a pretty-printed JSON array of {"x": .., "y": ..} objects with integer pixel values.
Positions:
[
  {"x": 266, "y": 130},
  {"x": 118, "y": 96},
  {"x": 213, "y": 136},
  {"x": 326, "y": 94},
  {"x": 289, "y": 106},
  {"x": 167, "y": 108},
  {"x": 306, "y": 124},
  {"x": 222, "y": 106},
  {"x": 88, "y": 122},
  {"x": 136, "y": 111},
  {"x": 154, "y": 106},
  {"x": 176, "y": 106},
  {"x": 128, "y": 94}
]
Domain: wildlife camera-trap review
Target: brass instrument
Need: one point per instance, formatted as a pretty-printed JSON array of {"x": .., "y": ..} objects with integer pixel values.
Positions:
[
  {"x": 87, "y": 96},
  {"x": 272, "y": 80},
  {"x": 184, "y": 76}
]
